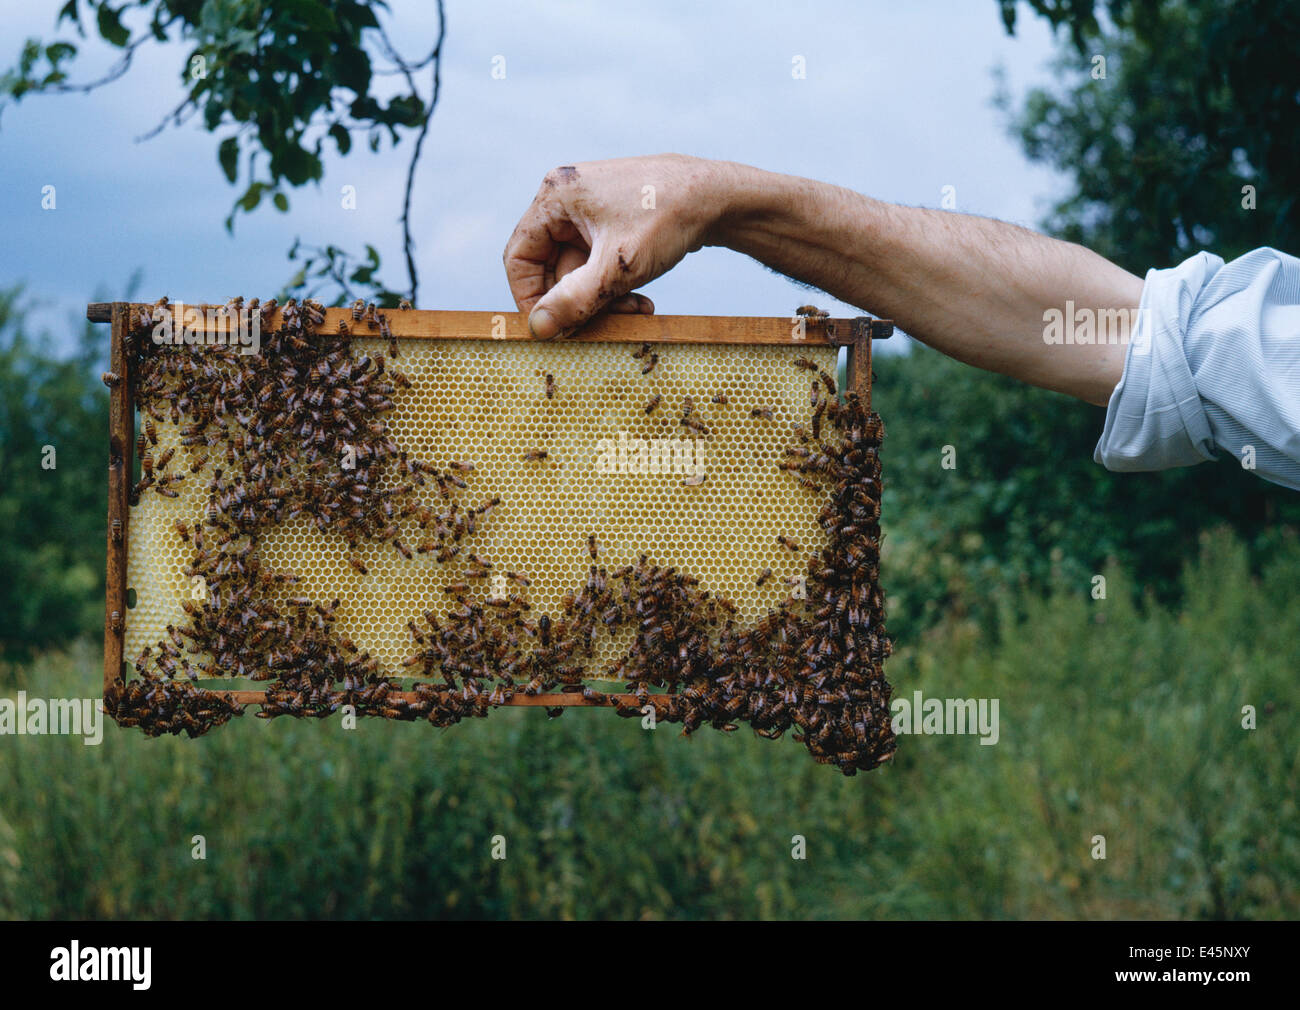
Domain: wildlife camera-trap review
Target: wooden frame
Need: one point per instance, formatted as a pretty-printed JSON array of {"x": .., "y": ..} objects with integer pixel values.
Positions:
[{"x": 421, "y": 324}]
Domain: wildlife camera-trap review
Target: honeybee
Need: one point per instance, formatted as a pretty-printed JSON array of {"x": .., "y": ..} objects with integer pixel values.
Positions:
[
  {"x": 763, "y": 576},
  {"x": 649, "y": 366},
  {"x": 763, "y": 412},
  {"x": 166, "y": 458},
  {"x": 151, "y": 431},
  {"x": 535, "y": 455},
  {"x": 591, "y": 545},
  {"x": 550, "y": 386},
  {"x": 805, "y": 364},
  {"x": 811, "y": 310},
  {"x": 111, "y": 379},
  {"x": 463, "y": 467},
  {"x": 358, "y": 564},
  {"x": 652, "y": 403},
  {"x": 405, "y": 304},
  {"x": 645, "y": 349},
  {"x": 519, "y": 577},
  {"x": 788, "y": 543},
  {"x": 719, "y": 398}
]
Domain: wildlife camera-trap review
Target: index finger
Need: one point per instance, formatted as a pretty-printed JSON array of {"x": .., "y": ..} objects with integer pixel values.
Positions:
[{"x": 534, "y": 247}]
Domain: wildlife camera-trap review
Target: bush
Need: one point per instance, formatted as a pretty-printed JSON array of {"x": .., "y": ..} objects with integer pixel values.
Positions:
[
  {"x": 1027, "y": 510},
  {"x": 52, "y": 520}
]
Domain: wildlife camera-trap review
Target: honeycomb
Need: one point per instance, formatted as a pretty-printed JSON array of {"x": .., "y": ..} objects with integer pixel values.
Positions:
[{"x": 486, "y": 403}]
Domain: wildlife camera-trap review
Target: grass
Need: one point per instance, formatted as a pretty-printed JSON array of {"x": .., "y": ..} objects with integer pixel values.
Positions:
[{"x": 1119, "y": 718}]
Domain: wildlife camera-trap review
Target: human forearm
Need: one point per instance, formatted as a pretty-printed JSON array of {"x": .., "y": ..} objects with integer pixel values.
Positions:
[{"x": 974, "y": 288}]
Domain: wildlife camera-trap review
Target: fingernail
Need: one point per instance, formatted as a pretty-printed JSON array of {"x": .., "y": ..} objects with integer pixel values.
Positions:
[{"x": 542, "y": 324}]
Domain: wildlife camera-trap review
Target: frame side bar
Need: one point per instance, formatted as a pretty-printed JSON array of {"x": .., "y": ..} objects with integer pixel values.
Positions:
[{"x": 121, "y": 435}]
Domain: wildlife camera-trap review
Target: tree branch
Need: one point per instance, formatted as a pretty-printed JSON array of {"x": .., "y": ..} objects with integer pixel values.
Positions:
[{"x": 434, "y": 58}]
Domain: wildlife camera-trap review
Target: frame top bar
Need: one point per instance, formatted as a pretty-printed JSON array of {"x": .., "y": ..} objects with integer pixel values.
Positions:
[{"x": 428, "y": 324}]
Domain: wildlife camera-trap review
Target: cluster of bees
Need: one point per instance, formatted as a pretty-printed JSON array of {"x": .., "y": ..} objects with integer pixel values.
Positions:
[
  {"x": 160, "y": 706},
  {"x": 299, "y": 430}
]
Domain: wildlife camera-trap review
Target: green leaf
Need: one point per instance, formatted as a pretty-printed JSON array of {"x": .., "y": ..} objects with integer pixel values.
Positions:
[
  {"x": 342, "y": 138},
  {"x": 111, "y": 27},
  {"x": 228, "y": 155},
  {"x": 252, "y": 196},
  {"x": 316, "y": 16},
  {"x": 281, "y": 202}
]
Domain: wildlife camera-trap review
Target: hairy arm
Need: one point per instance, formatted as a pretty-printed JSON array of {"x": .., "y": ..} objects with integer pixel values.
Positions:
[{"x": 973, "y": 288}]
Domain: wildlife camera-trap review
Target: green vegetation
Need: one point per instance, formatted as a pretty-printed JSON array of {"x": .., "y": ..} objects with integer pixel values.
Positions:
[
  {"x": 1197, "y": 102},
  {"x": 52, "y": 520},
  {"x": 1026, "y": 508},
  {"x": 281, "y": 84},
  {"x": 1116, "y": 719}
]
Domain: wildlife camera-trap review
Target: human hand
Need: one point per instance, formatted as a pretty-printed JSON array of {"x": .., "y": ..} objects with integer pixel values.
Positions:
[{"x": 599, "y": 229}]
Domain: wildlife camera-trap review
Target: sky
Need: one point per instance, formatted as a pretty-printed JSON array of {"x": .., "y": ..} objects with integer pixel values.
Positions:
[{"x": 896, "y": 103}]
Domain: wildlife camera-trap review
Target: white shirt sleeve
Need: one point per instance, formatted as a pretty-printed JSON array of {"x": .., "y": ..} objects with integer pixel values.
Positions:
[{"x": 1212, "y": 366}]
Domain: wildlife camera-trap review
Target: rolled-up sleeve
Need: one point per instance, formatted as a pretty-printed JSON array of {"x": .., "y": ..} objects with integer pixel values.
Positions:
[{"x": 1212, "y": 366}]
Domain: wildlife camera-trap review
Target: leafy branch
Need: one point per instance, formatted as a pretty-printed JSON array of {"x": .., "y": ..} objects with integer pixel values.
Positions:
[{"x": 277, "y": 80}]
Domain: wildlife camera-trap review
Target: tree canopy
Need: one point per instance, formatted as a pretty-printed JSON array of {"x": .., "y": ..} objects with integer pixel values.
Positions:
[
  {"x": 1190, "y": 141},
  {"x": 279, "y": 83}
]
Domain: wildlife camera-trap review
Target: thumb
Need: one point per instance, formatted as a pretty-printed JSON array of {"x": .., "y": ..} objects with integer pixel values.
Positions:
[{"x": 575, "y": 298}]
